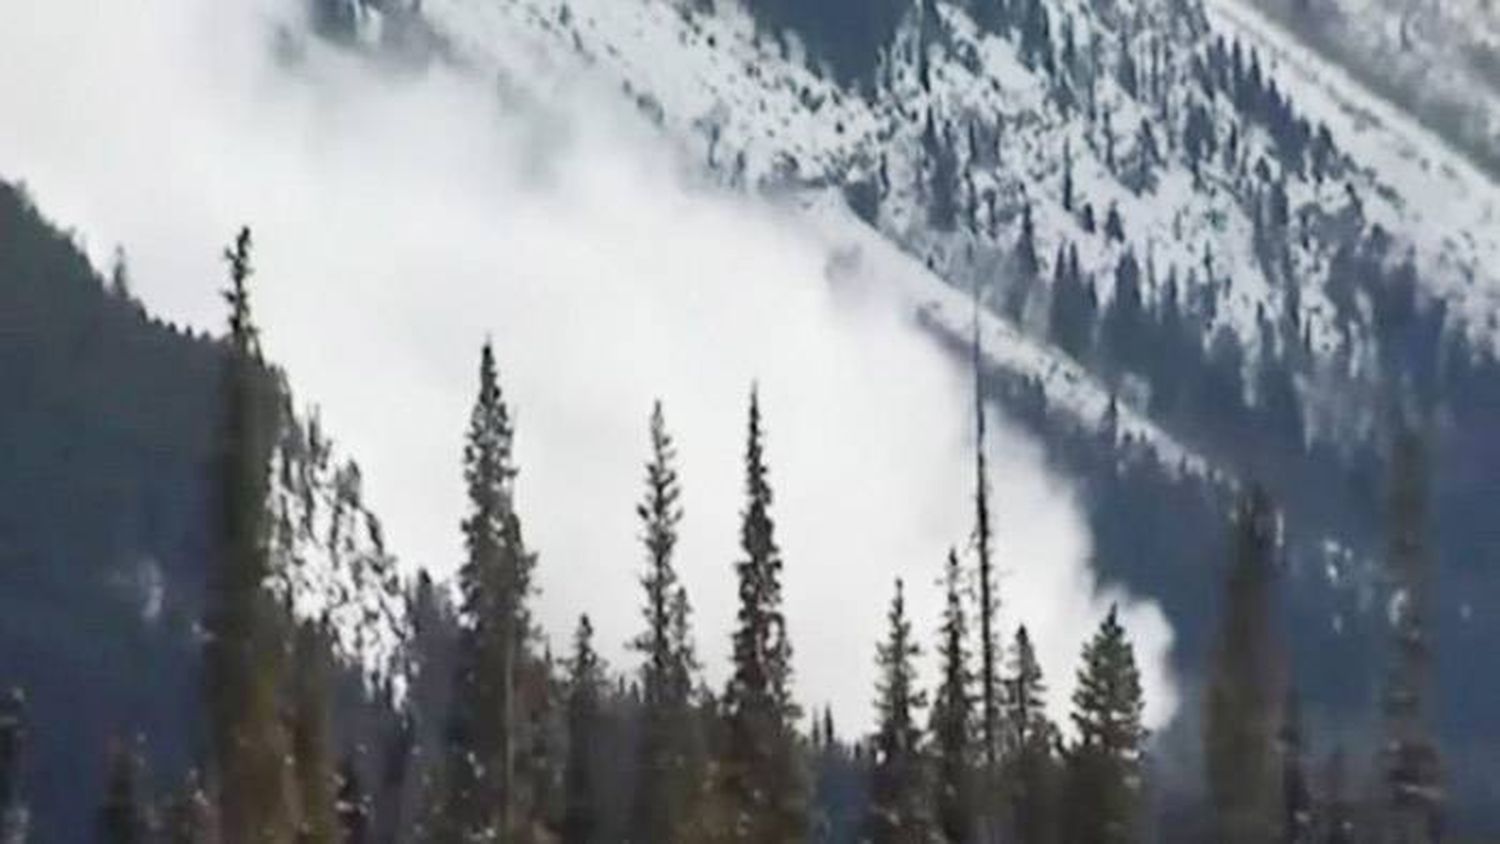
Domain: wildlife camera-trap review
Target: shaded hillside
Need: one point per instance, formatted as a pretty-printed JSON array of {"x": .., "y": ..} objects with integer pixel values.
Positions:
[{"x": 108, "y": 421}]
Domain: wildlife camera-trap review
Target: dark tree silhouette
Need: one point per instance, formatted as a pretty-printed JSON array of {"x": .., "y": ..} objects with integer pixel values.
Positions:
[
  {"x": 495, "y": 581},
  {"x": 1240, "y": 721},
  {"x": 899, "y": 808},
  {"x": 761, "y": 773},
  {"x": 952, "y": 725}
]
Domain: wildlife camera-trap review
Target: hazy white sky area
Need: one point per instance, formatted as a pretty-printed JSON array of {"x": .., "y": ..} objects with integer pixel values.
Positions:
[{"x": 403, "y": 217}]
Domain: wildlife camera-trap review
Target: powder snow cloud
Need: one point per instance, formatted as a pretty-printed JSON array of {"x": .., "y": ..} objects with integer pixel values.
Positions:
[{"x": 403, "y": 217}]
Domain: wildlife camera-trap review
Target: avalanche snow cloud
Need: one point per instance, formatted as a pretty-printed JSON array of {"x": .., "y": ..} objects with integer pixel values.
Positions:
[{"x": 404, "y": 216}]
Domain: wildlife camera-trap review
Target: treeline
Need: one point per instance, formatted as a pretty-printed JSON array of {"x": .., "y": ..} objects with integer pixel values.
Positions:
[{"x": 500, "y": 741}]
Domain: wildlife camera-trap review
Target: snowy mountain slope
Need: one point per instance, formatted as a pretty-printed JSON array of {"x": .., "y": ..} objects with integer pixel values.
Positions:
[
  {"x": 762, "y": 118},
  {"x": 1441, "y": 60},
  {"x": 1243, "y": 170},
  {"x": 329, "y": 557},
  {"x": 860, "y": 252},
  {"x": 773, "y": 124},
  {"x": 1425, "y": 186}
]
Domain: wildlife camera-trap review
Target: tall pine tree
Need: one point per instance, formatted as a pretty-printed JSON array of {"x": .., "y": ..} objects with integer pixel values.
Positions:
[
  {"x": 1104, "y": 763},
  {"x": 484, "y": 791},
  {"x": 762, "y": 778},
  {"x": 1031, "y": 737},
  {"x": 989, "y": 756},
  {"x": 1240, "y": 721},
  {"x": 312, "y": 738},
  {"x": 989, "y": 676},
  {"x": 952, "y": 724},
  {"x": 666, "y": 743},
  {"x": 899, "y": 809},
  {"x": 243, "y": 655},
  {"x": 582, "y": 814}
]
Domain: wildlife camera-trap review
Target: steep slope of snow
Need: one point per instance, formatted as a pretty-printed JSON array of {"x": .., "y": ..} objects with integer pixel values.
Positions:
[
  {"x": 1440, "y": 59},
  {"x": 1421, "y": 184},
  {"x": 329, "y": 557},
  {"x": 756, "y": 112},
  {"x": 861, "y": 254},
  {"x": 763, "y": 122}
]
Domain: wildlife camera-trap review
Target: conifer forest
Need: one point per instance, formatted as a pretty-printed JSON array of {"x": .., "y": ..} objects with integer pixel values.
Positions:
[{"x": 765, "y": 421}]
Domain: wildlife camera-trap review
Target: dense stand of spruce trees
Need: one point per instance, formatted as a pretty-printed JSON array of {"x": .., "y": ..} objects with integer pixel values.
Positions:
[{"x": 516, "y": 750}]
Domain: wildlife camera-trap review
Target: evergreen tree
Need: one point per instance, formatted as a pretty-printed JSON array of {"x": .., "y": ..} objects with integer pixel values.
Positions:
[
  {"x": 666, "y": 674},
  {"x": 123, "y": 818},
  {"x": 1114, "y": 226},
  {"x": 986, "y": 781},
  {"x": 1104, "y": 763},
  {"x": 1409, "y": 760},
  {"x": 312, "y": 738},
  {"x": 1030, "y": 740},
  {"x": 1123, "y": 330},
  {"x": 1028, "y": 268},
  {"x": 762, "y": 782},
  {"x": 243, "y": 655},
  {"x": 1198, "y": 137},
  {"x": 582, "y": 819},
  {"x": 119, "y": 276},
  {"x": 899, "y": 813},
  {"x": 942, "y": 179},
  {"x": 1026, "y": 257},
  {"x": 682, "y": 683},
  {"x": 953, "y": 716},
  {"x": 495, "y": 581},
  {"x": 1147, "y": 156},
  {"x": 1073, "y": 306},
  {"x": 1067, "y": 176},
  {"x": 989, "y": 679},
  {"x": 1240, "y": 720},
  {"x": 430, "y": 657}
]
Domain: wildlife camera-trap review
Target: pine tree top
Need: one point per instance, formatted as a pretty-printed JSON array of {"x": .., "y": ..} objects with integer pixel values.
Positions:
[
  {"x": 242, "y": 331},
  {"x": 1108, "y": 701}
]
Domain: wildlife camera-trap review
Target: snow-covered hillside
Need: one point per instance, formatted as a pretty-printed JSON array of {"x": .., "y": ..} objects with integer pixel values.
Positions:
[
  {"x": 1439, "y": 59},
  {"x": 1242, "y": 216},
  {"x": 329, "y": 555},
  {"x": 763, "y": 122}
]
